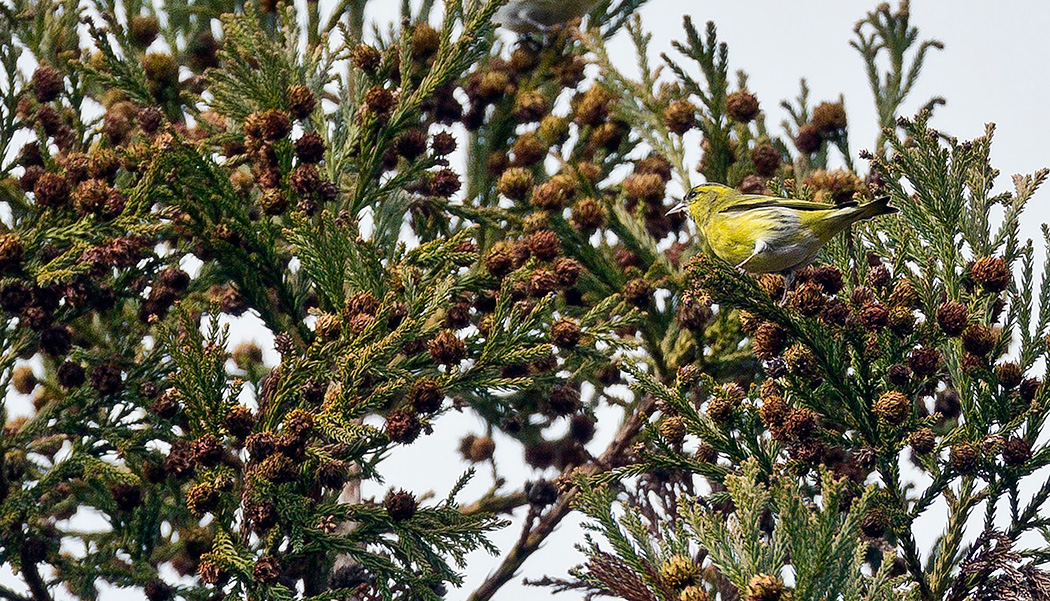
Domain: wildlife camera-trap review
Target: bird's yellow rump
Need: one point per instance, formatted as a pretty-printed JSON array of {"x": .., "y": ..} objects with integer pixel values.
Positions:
[
  {"x": 535, "y": 16},
  {"x": 767, "y": 234}
]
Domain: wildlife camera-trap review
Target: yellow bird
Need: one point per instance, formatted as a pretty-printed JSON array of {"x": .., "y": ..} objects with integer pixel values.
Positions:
[
  {"x": 767, "y": 234},
  {"x": 537, "y": 16}
]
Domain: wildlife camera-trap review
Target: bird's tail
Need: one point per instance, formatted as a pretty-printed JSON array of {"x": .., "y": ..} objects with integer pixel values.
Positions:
[
  {"x": 846, "y": 215},
  {"x": 879, "y": 206}
]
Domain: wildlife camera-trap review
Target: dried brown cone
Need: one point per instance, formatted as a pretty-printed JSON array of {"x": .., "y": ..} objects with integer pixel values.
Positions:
[
  {"x": 899, "y": 375},
  {"x": 692, "y": 314},
  {"x": 922, "y": 440},
  {"x": 721, "y": 408},
  {"x": 925, "y": 362},
  {"x": 742, "y": 106},
  {"x": 554, "y": 194},
  {"x": 498, "y": 261},
  {"x": 158, "y": 590},
  {"x": 480, "y": 448},
  {"x": 402, "y": 426},
  {"x": 543, "y": 244},
  {"x": 274, "y": 125},
  {"x": 774, "y": 413},
  {"x": 673, "y": 429},
  {"x": 425, "y": 395},
  {"x": 964, "y": 457},
  {"x": 892, "y": 407},
  {"x": 874, "y": 316},
  {"x": 1016, "y": 451},
  {"x": 47, "y": 83},
  {"x": 563, "y": 400},
  {"x": 829, "y": 118},
  {"x": 765, "y": 159},
  {"x": 267, "y": 570},
  {"x": 301, "y": 102},
  {"x": 769, "y": 341},
  {"x": 310, "y": 148},
  {"x": 379, "y": 101},
  {"x": 835, "y": 313},
  {"x": 680, "y": 571},
  {"x": 903, "y": 295},
  {"x": 644, "y": 187},
  {"x": 773, "y": 284},
  {"x": 542, "y": 282},
  {"x": 530, "y": 107},
  {"x": 593, "y": 106},
  {"x": 800, "y": 424},
  {"x": 693, "y": 593},
  {"x": 874, "y": 523},
  {"x": 978, "y": 340},
  {"x": 492, "y": 85},
  {"x": 808, "y": 140},
  {"x": 801, "y": 361},
  {"x": 1009, "y": 374},
  {"x": 106, "y": 378},
  {"x": 51, "y": 190},
  {"x": 638, "y": 292},
  {"x": 952, "y": 318},
  {"x": 400, "y": 505},
  {"x": 991, "y": 273},
  {"x": 808, "y": 299},
  {"x": 901, "y": 320},
  {"x": 277, "y": 468},
  {"x": 445, "y": 183},
  {"x": 765, "y": 587},
  {"x": 705, "y": 453},
  {"x": 515, "y": 183},
  {"x": 202, "y": 498},
  {"x": 529, "y": 149},
  {"x": 366, "y": 58},
  {"x": 23, "y": 379},
  {"x": 753, "y": 184},
  {"x": 654, "y": 163},
  {"x": 210, "y": 572},
  {"x": 239, "y": 421},
  {"x": 447, "y": 349},
  {"x": 207, "y": 451},
  {"x": 567, "y": 271},
  {"x": 680, "y": 116},
  {"x": 443, "y": 143},
  {"x": 879, "y": 276},
  {"x": 262, "y": 514},
  {"x": 565, "y": 333},
  {"x": 1029, "y": 388}
]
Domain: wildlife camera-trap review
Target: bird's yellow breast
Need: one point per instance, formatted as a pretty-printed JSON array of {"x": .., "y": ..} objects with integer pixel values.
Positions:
[{"x": 782, "y": 242}]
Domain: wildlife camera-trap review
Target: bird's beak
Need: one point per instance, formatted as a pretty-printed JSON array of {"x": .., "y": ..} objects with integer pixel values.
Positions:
[{"x": 679, "y": 208}]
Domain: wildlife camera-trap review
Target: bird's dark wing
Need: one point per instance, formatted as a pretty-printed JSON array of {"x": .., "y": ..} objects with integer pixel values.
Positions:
[{"x": 750, "y": 202}]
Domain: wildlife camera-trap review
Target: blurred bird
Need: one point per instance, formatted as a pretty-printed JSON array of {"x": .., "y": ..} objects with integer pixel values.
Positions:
[
  {"x": 767, "y": 234},
  {"x": 537, "y": 16}
]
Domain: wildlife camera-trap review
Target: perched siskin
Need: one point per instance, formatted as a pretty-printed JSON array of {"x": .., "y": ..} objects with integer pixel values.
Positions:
[
  {"x": 766, "y": 234},
  {"x": 532, "y": 16}
]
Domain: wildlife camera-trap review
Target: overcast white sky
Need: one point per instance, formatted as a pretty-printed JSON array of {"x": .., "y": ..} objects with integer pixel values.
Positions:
[{"x": 993, "y": 69}]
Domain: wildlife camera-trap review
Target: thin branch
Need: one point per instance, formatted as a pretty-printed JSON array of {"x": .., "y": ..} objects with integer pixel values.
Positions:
[
  {"x": 10, "y": 595},
  {"x": 530, "y": 543},
  {"x": 36, "y": 584}
]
